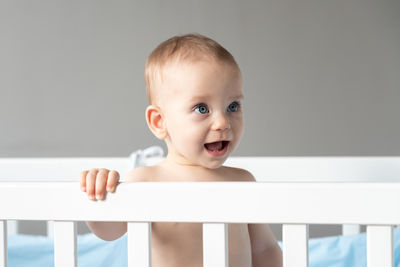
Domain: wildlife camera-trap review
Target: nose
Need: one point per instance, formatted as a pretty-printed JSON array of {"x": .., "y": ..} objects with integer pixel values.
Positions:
[{"x": 220, "y": 122}]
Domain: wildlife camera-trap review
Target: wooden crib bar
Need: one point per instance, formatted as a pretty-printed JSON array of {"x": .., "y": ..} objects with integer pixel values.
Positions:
[
  {"x": 380, "y": 246},
  {"x": 139, "y": 244},
  {"x": 241, "y": 202},
  {"x": 3, "y": 243},
  {"x": 215, "y": 245},
  {"x": 295, "y": 245},
  {"x": 65, "y": 244},
  {"x": 351, "y": 229},
  {"x": 12, "y": 228}
]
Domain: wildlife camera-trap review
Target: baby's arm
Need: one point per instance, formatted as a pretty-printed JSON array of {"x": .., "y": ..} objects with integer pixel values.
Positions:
[
  {"x": 96, "y": 182},
  {"x": 264, "y": 248}
]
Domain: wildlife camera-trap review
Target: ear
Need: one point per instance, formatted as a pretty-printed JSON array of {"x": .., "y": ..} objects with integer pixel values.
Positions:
[{"x": 155, "y": 121}]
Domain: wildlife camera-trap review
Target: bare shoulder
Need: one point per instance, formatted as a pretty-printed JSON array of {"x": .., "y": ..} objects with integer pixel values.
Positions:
[
  {"x": 239, "y": 174},
  {"x": 141, "y": 174}
]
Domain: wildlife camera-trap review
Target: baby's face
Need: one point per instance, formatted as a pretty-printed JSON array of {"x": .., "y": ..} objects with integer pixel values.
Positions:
[{"x": 202, "y": 110}]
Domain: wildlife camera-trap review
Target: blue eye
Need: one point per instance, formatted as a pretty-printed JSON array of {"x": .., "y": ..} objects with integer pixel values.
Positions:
[
  {"x": 202, "y": 109},
  {"x": 233, "y": 107}
]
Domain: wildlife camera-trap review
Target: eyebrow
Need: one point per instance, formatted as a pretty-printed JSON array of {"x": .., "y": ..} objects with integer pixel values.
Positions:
[
  {"x": 198, "y": 97},
  {"x": 237, "y": 97}
]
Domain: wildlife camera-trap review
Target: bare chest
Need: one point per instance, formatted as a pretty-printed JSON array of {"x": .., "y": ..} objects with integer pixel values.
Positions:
[{"x": 181, "y": 244}]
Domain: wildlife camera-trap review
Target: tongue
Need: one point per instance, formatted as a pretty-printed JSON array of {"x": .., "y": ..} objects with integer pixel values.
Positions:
[{"x": 214, "y": 146}]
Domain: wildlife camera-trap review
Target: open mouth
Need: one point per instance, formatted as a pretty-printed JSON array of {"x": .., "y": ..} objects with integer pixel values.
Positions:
[{"x": 217, "y": 148}]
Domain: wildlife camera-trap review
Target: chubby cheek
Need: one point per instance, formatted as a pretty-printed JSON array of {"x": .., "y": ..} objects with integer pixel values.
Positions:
[
  {"x": 187, "y": 137},
  {"x": 195, "y": 137},
  {"x": 238, "y": 129}
]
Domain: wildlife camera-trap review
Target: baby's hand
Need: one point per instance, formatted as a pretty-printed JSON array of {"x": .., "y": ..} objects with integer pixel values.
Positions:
[{"x": 97, "y": 181}]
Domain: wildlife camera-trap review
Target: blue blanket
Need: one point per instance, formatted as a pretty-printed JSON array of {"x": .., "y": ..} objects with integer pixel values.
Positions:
[{"x": 37, "y": 251}]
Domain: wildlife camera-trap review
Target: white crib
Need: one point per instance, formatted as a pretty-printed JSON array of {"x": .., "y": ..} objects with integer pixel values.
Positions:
[{"x": 293, "y": 191}]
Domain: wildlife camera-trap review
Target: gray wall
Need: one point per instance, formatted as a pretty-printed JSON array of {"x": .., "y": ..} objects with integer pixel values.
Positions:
[{"x": 320, "y": 77}]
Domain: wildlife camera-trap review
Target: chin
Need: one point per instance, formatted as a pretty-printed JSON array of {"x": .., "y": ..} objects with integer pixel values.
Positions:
[{"x": 215, "y": 164}]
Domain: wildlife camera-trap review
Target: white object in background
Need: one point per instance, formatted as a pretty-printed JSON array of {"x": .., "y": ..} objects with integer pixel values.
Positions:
[
  {"x": 12, "y": 227},
  {"x": 140, "y": 157},
  {"x": 3, "y": 243},
  {"x": 139, "y": 244},
  {"x": 379, "y": 246},
  {"x": 65, "y": 244},
  {"x": 215, "y": 245},
  {"x": 351, "y": 229},
  {"x": 295, "y": 245},
  {"x": 50, "y": 228}
]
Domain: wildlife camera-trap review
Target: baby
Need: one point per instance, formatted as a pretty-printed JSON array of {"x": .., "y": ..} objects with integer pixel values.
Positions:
[{"x": 194, "y": 87}]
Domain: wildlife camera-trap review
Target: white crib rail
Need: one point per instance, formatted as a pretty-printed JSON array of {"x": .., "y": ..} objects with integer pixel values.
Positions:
[
  {"x": 293, "y": 204},
  {"x": 277, "y": 169},
  {"x": 282, "y": 169},
  {"x": 3, "y": 243},
  {"x": 215, "y": 245},
  {"x": 380, "y": 245},
  {"x": 295, "y": 245},
  {"x": 139, "y": 244},
  {"x": 65, "y": 250}
]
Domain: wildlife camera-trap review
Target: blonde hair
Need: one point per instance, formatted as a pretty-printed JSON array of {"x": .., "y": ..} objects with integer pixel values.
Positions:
[{"x": 188, "y": 47}]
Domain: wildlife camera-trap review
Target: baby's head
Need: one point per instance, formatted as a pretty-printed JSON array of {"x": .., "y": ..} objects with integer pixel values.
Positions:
[{"x": 194, "y": 87}]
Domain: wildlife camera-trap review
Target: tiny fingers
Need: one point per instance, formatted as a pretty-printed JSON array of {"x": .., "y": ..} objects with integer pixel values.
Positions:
[
  {"x": 83, "y": 180},
  {"x": 96, "y": 182},
  {"x": 91, "y": 183},
  {"x": 112, "y": 181},
  {"x": 101, "y": 181}
]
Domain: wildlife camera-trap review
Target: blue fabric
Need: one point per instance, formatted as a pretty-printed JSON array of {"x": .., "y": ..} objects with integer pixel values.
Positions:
[{"x": 36, "y": 251}]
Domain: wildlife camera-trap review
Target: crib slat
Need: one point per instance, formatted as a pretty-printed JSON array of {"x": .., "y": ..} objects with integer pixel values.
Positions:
[
  {"x": 50, "y": 228},
  {"x": 351, "y": 229},
  {"x": 3, "y": 243},
  {"x": 295, "y": 245},
  {"x": 65, "y": 244},
  {"x": 379, "y": 246},
  {"x": 139, "y": 244},
  {"x": 12, "y": 227},
  {"x": 215, "y": 245}
]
